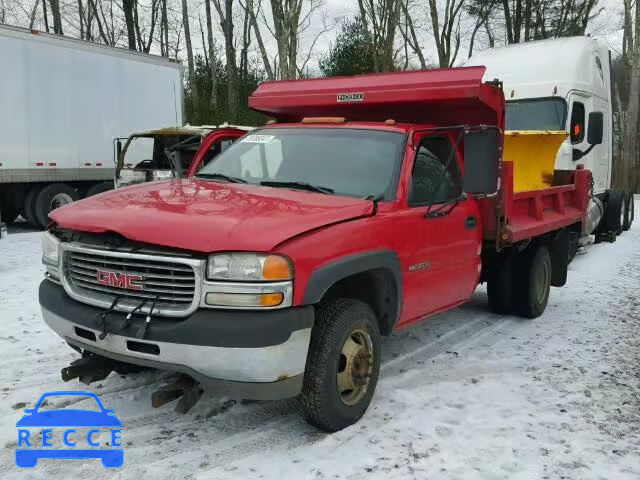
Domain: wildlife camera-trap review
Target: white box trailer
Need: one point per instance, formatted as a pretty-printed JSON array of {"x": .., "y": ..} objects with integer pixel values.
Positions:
[{"x": 64, "y": 101}]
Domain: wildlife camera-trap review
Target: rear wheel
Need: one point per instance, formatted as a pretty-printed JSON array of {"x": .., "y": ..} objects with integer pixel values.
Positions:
[
  {"x": 533, "y": 282},
  {"x": 53, "y": 196},
  {"x": 629, "y": 212},
  {"x": 614, "y": 212},
  {"x": 342, "y": 365},
  {"x": 29, "y": 207}
]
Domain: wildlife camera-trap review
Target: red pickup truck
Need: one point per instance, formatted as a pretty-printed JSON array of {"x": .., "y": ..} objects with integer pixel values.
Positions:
[{"x": 368, "y": 204}]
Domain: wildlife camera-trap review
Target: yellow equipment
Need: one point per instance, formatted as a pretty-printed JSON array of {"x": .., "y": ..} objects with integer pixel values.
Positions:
[{"x": 533, "y": 153}]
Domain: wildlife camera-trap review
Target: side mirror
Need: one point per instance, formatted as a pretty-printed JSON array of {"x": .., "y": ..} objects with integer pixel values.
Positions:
[
  {"x": 481, "y": 161},
  {"x": 595, "y": 128},
  {"x": 118, "y": 151}
]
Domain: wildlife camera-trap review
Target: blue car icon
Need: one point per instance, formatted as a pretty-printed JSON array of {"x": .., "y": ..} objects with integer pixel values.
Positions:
[{"x": 28, "y": 457}]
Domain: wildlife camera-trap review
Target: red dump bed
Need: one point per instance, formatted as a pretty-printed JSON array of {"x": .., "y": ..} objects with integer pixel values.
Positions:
[
  {"x": 440, "y": 97},
  {"x": 449, "y": 96}
]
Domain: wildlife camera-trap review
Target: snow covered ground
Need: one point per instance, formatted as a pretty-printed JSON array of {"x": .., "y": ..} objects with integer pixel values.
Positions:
[{"x": 466, "y": 395}]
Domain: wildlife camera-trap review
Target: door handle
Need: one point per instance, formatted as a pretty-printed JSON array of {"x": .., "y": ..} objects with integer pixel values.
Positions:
[{"x": 470, "y": 223}]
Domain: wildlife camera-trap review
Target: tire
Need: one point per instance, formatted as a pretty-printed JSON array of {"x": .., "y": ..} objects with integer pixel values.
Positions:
[
  {"x": 29, "y": 207},
  {"x": 500, "y": 283},
  {"x": 98, "y": 188},
  {"x": 533, "y": 282},
  {"x": 53, "y": 196},
  {"x": 614, "y": 212},
  {"x": 629, "y": 212},
  {"x": 340, "y": 324}
]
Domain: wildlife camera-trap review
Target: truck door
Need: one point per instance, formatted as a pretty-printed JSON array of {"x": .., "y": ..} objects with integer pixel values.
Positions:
[
  {"x": 597, "y": 160},
  {"x": 441, "y": 266},
  {"x": 215, "y": 143}
]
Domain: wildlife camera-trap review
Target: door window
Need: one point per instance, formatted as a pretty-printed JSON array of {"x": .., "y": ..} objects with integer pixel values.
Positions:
[
  {"x": 577, "y": 122},
  {"x": 435, "y": 177}
]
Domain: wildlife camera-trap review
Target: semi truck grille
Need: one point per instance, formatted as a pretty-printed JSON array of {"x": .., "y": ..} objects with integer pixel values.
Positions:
[{"x": 97, "y": 277}]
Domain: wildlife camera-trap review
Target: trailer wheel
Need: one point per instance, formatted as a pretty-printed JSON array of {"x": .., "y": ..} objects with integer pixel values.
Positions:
[
  {"x": 343, "y": 364},
  {"x": 614, "y": 212},
  {"x": 628, "y": 213},
  {"x": 500, "y": 283},
  {"x": 98, "y": 188},
  {"x": 533, "y": 282},
  {"x": 29, "y": 207},
  {"x": 51, "y": 197}
]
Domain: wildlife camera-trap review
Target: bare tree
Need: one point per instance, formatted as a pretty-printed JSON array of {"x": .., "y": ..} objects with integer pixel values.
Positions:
[
  {"x": 225, "y": 13},
  {"x": 187, "y": 39},
  {"x": 57, "y": 17},
  {"x": 380, "y": 18},
  {"x": 127, "y": 8},
  {"x": 447, "y": 36},
  {"x": 211, "y": 57},
  {"x": 630, "y": 155},
  {"x": 252, "y": 9},
  {"x": 408, "y": 31},
  {"x": 286, "y": 19}
]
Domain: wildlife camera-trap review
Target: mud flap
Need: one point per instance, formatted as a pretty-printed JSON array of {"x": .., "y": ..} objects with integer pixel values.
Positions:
[{"x": 559, "y": 251}]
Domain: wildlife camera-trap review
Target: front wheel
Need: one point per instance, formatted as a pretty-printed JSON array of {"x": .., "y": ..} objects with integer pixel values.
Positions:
[{"x": 342, "y": 365}]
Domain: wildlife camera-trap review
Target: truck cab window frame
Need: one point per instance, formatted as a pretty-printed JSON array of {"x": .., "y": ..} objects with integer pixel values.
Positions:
[
  {"x": 431, "y": 158},
  {"x": 577, "y": 125}
]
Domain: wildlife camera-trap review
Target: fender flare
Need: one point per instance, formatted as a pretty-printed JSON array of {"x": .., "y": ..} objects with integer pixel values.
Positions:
[{"x": 323, "y": 277}]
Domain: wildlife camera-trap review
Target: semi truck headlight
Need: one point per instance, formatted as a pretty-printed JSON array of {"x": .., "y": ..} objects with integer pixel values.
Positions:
[
  {"x": 50, "y": 246},
  {"x": 252, "y": 267}
]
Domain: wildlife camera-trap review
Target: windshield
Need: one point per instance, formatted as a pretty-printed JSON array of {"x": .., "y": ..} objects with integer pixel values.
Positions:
[
  {"x": 536, "y": 114},
  {"x": 358, "y": 163}
]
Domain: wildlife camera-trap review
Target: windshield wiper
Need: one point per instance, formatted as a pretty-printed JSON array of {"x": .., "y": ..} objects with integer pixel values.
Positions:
[
  {"x": 221, "y": 176},
  {"x": 298, "y": 185}
]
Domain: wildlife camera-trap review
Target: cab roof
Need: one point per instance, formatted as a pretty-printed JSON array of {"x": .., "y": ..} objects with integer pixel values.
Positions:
[{"x": 448, "y": 96}]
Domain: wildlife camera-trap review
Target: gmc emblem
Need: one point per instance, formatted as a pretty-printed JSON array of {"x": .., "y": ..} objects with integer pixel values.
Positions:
[{"x": 119, "y": 280}]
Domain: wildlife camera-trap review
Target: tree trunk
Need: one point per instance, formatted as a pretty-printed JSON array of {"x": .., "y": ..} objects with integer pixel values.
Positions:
[
  {"x": 212, "y": 58},
  {"x": 45, "y": 16},
  {"x": 127, "y": 7},
  {"x": 256, "y": 30},
  {"x": 187, "y": 40},
  {"x": 57, "y": 17}
]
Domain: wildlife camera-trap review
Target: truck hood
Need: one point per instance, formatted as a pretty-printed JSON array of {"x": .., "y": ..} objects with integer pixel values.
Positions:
[{"x": 208, "y": 216}]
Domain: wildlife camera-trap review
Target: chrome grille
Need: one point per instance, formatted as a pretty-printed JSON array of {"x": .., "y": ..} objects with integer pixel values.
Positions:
[{"x": 172, "y": 282}]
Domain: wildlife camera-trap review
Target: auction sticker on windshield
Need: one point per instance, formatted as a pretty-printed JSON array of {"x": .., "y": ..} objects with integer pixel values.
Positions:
[
  {"x": 52, "y": 431},
  {"x": 257, "y": 139}
]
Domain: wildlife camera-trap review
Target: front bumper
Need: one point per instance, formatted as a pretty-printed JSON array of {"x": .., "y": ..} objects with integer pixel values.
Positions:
[{"x": 256, "y": 355}]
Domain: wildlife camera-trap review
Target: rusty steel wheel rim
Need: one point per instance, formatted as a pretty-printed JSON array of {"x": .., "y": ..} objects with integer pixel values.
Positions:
[{"x": 355, "y": 367}]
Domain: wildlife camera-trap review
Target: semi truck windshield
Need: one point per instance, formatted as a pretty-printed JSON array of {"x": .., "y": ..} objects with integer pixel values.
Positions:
[
  {"x": 342, "y": 161},
  {"x": 536, "y": 114}
]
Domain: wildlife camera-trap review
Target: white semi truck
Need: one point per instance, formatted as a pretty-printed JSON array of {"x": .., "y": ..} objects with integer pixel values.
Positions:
[
  {"x": 64, "y": 101},
  {"x": 565, "y": 84}
]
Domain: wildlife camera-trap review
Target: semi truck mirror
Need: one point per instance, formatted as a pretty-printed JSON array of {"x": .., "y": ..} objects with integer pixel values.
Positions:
[
  {"x": 595, "y": 128},
  {"x": 481, "y": 162}
]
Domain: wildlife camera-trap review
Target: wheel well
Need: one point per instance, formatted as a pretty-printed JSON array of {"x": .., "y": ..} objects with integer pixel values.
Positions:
[{"x": 377, "y": 288}]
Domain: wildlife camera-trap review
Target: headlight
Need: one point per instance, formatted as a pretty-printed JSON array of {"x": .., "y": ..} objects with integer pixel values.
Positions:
[
  {"x": 255, "y": 267},
  {"x": 50, "y": 246}
]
